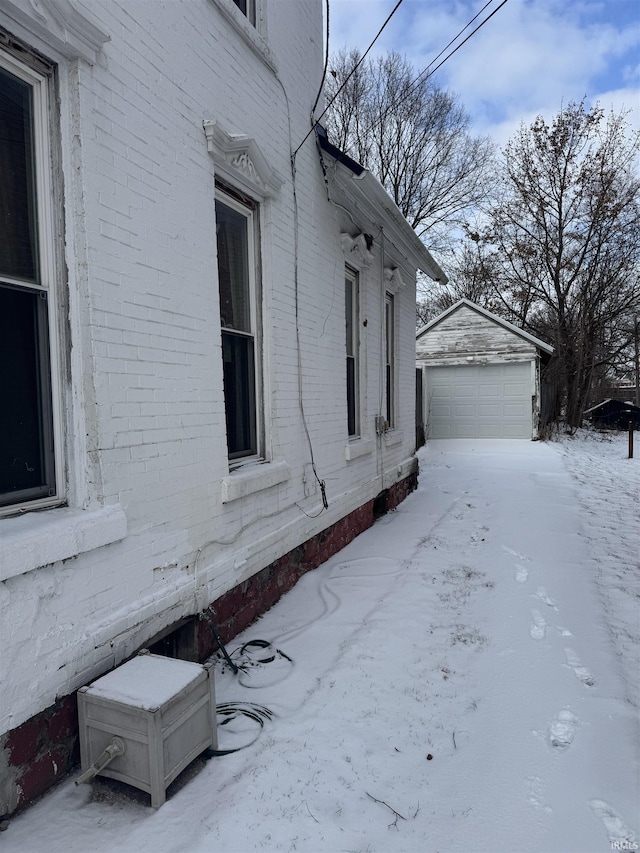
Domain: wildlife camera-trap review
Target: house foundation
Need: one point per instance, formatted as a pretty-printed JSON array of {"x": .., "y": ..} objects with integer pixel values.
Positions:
[{"x": 44, "y": 749}]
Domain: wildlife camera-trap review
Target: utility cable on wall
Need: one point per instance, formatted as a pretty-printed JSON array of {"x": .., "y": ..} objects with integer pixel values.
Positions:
[
  {"x": 296, "y": 288},
  {"x": 351, "y": 73}
]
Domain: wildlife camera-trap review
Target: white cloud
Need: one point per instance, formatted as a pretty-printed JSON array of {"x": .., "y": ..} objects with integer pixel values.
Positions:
[{"x": 529, "y": 59}]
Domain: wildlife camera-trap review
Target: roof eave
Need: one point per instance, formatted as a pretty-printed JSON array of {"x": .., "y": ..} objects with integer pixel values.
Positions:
[{"x": 363, "y": 190}]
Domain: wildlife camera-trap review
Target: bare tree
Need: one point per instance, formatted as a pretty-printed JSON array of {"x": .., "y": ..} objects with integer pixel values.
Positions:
[
  {"x": 413, "y": 136},
  {"x": 563, "y": 242}
]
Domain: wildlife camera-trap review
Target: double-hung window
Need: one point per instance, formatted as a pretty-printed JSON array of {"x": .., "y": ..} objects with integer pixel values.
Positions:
[
  {"x": 236, "y": 226},
  {"x": 28, "y": 465},
  {"x": 389, "y": 336},
  {"x": 353, "y": 351}
]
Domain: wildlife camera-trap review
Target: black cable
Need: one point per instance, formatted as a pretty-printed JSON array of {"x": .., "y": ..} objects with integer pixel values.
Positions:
[
  {"x": 351, "y": 73},
  {"x": 324, "y": 70},
  {"x": 222, "y": 647},
  {"x": 413, "y": 85}
]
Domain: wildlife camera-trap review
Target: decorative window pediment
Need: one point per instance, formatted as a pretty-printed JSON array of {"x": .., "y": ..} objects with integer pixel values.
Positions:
[
  {"x": 239, "y": 161},
  {"x": 393, "y": 279},
  {"x": 356, "y": 249},
  {"x": 58, "y": 25}
]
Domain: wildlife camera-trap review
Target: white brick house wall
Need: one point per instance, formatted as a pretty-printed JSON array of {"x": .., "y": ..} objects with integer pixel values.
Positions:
[{"x": 152, "y": 523}]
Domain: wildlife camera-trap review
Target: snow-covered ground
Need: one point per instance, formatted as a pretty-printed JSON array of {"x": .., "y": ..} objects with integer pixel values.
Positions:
[{"x": 462, "y": 677}]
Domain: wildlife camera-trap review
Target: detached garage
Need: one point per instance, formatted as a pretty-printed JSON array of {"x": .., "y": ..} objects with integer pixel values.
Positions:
[{"x": 480, "y": 375}]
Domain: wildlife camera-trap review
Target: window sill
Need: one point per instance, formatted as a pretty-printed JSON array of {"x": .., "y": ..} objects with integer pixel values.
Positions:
[
  {"x": 393, "y": 437},
  {"x": 247, "y": 31},
  {"x": 37, "y": 539},
  {"x": 251, "y": 479},
  {"x": 359, "y": 447}
]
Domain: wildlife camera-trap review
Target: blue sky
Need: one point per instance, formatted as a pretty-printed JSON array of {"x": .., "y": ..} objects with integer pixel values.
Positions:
[{"x": 529, "y": 59}]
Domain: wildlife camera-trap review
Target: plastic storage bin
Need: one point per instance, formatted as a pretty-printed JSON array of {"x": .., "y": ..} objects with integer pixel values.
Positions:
[{"x": 163, "y": 711}]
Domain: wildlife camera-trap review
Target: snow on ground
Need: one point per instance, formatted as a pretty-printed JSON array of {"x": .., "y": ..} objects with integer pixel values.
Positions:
[{"x": 463, "y": 677}]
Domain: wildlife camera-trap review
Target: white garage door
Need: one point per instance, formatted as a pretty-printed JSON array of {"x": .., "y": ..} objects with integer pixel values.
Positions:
[{"x": 479, "y": 401}]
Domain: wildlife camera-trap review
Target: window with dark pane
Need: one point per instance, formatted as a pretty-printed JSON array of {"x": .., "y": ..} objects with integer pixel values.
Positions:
[
  {"x": 248, "y": 8},
  {"x": 26, "y": 434},
  {"x": 352, "y": 350},
  {"x": 238, "y": 333},
  {"x": 18, "y": 254},
  {"x": 389, "y": 359},
  {"x": 27, "y": 457}
]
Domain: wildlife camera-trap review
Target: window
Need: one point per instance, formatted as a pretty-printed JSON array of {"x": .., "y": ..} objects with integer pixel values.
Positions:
[
  {"x": 248, "y": 8},
  {"x": 28, "y": 464},
  {"x": 353, "y": 355},
  {"x": 236, "y": 238},
  {"x": 389, "y": 336}
]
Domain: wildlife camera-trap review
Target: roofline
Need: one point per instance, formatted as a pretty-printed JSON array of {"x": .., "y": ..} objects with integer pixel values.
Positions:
[
  {"x": 368, "y": 195},
  {"x": 494, "y": 317},
  {"x": 627, "y": 404}
]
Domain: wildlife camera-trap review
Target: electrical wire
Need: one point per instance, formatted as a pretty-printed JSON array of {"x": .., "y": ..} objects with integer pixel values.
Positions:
[
  {"x": 231, "y": 711},
  {"x": 426, "y": 73},
  {"x": 456, "y": 37},
  {"x": 351, "y": 73},
  {"x": 324, "y": 70},
  {"x": 464, "y": 41}
]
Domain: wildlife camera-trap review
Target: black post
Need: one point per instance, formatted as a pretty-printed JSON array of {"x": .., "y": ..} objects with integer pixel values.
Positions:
[{"x": 630, "y": 439}]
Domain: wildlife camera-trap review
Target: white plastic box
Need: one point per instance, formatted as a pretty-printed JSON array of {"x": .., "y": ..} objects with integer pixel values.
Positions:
[{"x": 164, "y": 711}]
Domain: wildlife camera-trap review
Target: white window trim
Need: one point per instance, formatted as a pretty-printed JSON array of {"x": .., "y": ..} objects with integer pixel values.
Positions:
[
  {"x": 390, "y": 299},
  {"x": 254, "y": 36},
  {"x": 47, "y": 266},
  {"x": 240, "y": 162},
  {"x": 358, "y": 257},
  {"x": 359, "y": 447},
  {"x": 57, "y": 26},
  {"x": 248, "y": 480},
  {"x": 255, "y": 321},
  {"x": 354, "y": 276},
  {"x": 33, "y": 540}
]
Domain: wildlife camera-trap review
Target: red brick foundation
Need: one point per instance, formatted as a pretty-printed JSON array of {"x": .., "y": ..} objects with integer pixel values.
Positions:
[{"x": 44, "y": 749}]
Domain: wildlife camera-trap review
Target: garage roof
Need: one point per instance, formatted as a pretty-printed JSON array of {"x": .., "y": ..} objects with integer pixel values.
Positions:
[{"x": 494, "y": 317}]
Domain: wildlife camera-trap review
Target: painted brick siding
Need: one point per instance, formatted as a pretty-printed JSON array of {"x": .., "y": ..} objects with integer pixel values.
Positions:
[
  {"x": 141, "y": 372},
  {"x": 44, "y": 749}
]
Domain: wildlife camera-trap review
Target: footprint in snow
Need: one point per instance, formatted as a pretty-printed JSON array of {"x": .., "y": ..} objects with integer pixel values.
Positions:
[
  {"x": 562, "y": 729},
  {"x": 536, "y": 794},
  {"x": 542, "y": 595},
  {"x": 517, "y": 554},
  {"x": 538, "y": 626},
  {"x": 617, "y": 830},
  {"x": 564, "y": 632},
  {"x": 581, "y": 672},
  {"x": 522, "y": 573}
]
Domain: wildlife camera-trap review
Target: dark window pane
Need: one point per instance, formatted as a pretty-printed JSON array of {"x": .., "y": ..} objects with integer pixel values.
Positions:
[
  {"x": 351, "y": 395},
  {"x": 233, "y": 273},
  {"x": 349, "y": 315},
  {"x": 17, "y": 202},
  {"x": 239, "y": 393},
  {"x": 26, "y": 446},
  {"x": 352, "y": 345},
  {"x": 247, "y": 7}
]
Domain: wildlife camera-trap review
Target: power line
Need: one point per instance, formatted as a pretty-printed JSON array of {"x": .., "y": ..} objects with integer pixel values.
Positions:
[
  {"x": 426, "y": 71},
  {"x": 456, "y": 37},
  {"x": 473, "y": 32},
  {"x": 353, "y": 70}
]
